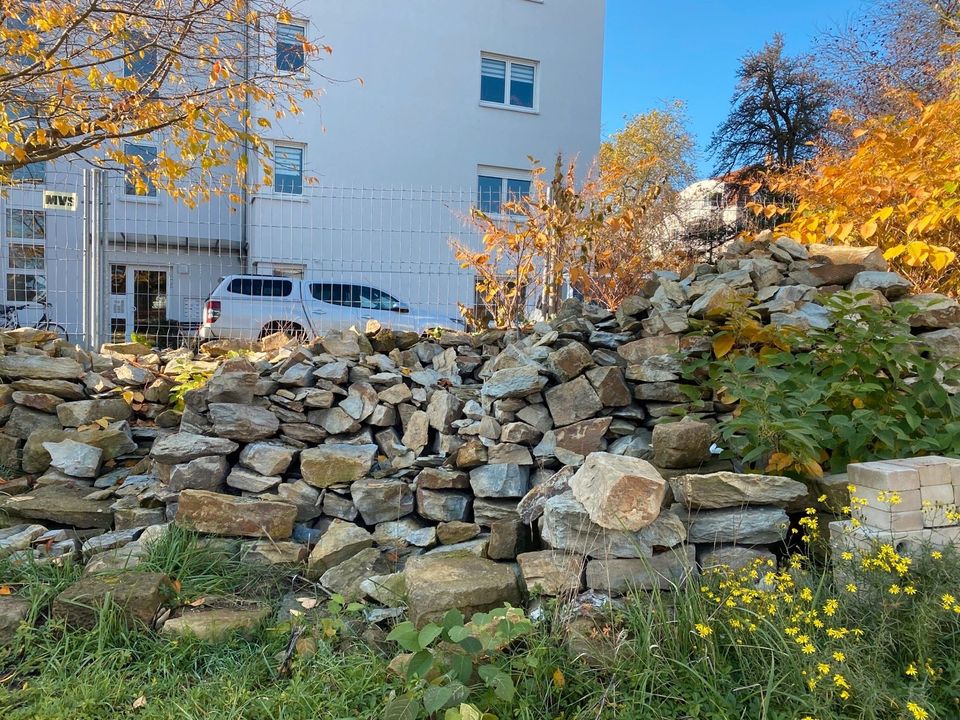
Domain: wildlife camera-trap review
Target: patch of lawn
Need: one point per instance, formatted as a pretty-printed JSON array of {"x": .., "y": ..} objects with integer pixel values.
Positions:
[{"x": 881, "y": 644}]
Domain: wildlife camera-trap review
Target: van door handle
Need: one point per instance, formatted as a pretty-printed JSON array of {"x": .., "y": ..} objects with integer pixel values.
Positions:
[
  {"x": 367, "y": 317},
  {"x": 318, "y": 312}
]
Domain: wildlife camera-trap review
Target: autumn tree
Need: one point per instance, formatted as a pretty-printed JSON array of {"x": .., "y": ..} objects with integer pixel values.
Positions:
[
  {"x": 890, "y": 52},
  {"x": 898, "y": 189},
  {"x": 653, "y": 149},
  {"x": 84, "y": 77},
  {"x": 780, "y": 107},
  {"x": 566, "y": 231}
]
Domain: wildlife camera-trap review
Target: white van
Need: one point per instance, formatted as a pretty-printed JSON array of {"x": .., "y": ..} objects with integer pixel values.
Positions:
[{"x": 250, "y": 307}]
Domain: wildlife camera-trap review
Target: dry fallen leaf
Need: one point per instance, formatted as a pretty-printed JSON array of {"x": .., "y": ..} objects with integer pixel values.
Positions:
[
  {"x": 5, "y": 590},
  {"x": 198, "y": 602},
  {"x": 140, "y": 702},
  {"x": 307, "y": 603}
]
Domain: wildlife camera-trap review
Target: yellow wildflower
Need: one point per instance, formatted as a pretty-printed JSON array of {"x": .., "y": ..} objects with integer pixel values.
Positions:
[
  {"x": 918, "y": 712},
  {"x": 911, "y": 670},
  {"x": 703, "y": 631}
]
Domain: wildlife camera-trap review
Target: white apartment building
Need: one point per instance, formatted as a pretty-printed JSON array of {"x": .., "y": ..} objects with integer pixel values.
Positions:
[{"x": 369, "y": 183}]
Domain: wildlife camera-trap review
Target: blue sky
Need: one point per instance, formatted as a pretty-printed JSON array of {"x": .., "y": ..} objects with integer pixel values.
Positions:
[{"x": 689, "y": 50}]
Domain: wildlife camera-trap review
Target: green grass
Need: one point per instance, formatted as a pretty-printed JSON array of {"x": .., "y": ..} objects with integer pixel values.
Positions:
[{"x": 659, "y": 656}]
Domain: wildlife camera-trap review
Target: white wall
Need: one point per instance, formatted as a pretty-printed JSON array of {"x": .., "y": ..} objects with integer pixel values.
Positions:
[
  {"x": 417, "y": 118},
  {"x": 417, "y": 122}
]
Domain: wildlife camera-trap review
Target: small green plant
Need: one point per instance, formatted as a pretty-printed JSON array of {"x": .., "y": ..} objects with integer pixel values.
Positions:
[
  {"x": 193, "y": 376},
  {"x": 447, "y": 664},
  {"x": 862, "y": 389},
  {"x": 189, "y": 379}
]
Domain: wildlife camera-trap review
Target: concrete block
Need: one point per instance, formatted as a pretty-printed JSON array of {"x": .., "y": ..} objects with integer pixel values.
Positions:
[
  {"x": 909, "y": 500},
  {"x": 845, "y": 537},
  {"x": 933, "y": 470},
  {"x": 889, "y": 520},
  {"x": 884, "y": 476}
]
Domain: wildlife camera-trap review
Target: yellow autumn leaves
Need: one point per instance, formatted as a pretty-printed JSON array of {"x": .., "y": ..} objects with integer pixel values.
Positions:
[{"x": 898, "y": 187}]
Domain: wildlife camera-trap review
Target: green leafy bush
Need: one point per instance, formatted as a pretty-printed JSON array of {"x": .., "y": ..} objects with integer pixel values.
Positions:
[
  {"x": 446, "y": 660},
  {"x": 863, "y": 389}
]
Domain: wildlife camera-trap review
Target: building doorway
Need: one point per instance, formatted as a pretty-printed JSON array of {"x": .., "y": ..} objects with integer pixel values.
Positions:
[{"x": 138, "y": 305}]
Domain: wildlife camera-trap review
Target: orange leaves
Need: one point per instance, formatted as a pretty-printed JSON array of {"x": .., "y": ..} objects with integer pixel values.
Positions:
[
  {"x": 94, "y": 81},
  {"x": 898, "y": 185},
  {"x": 723, "y": 343},
  {"x": 869, "y": 229},
  {"x": 781, "y": 461}
]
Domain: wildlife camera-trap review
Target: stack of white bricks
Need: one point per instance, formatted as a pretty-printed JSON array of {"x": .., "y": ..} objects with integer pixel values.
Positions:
[{"x": 907, "y": 503}]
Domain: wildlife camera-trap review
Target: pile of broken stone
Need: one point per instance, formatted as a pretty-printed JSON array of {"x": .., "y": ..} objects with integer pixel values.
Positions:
[{"x": 422, "y": 473}]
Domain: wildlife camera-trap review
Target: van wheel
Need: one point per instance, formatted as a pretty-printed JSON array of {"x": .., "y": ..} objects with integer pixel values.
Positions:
[{"x": 292, "y": 329}]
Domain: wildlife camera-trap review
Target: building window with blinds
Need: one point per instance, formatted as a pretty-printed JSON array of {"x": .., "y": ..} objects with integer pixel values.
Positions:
[
  {"x": 288, "y": 169},
  {"x": 290, "y": 54},
  {"x": 494, "y": 191},
  {"x": 508, "y": 82}
]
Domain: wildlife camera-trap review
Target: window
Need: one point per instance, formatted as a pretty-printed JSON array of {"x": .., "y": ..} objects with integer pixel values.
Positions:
[
  {"x": 488, "y": 193},
  {"x": 24, "y": 116},
  {"x": 358, "y": 296},
  {"x": 493, "y": 191},
  {"x": 261, "y": 288},
  {"x": 19, "y": 24},
  {"x": 290, "y": 55},
  {"x": 141, "y": 62},
  {"x": 25, "y": 257},
  {"x": 336, "y": 294},
  {"x": 288, "y": 169},
  {"x": 28, "y": 224},
  {"x": 134, "y": 181},
  {"x": 507, "y": 82},
  {"x": 34, "y": 172}
]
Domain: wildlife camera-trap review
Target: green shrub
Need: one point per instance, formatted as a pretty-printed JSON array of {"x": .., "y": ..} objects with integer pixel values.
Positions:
[{"x": 863, "y": 389}]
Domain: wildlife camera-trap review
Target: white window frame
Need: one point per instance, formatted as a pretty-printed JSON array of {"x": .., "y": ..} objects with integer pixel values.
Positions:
[
  {"x": 293, "y": 22},
  {"x": 504, "y": 175},
  {"x": 505, "y": 105},
  {"x": 35, "y": 242},
  {"x": 272, "y": 189},
  {"x": 134, "y": 197}
]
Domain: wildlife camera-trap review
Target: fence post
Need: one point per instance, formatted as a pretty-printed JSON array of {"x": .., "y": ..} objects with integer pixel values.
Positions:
[
  {"x": 92, "y": 284},
  {"x": 99, "y": 300},
  {"x": 85, "y": 328}
]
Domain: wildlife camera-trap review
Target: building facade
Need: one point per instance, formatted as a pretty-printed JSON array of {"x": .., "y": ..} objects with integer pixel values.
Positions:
[{"x": 430, "y": 107}]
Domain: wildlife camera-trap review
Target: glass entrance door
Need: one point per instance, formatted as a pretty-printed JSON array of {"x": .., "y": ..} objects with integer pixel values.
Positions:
[{"x": 149, "y": 301}]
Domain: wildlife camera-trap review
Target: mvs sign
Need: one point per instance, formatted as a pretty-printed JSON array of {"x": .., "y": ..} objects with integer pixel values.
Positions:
[{"x": 53, "y": 200}]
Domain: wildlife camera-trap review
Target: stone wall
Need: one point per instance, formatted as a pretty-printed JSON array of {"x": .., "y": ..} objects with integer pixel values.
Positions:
[{"x": 468, "y": 470}]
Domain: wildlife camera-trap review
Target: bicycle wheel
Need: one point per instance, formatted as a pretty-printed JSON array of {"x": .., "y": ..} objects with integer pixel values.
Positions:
[{"x": 54, "y": 328}]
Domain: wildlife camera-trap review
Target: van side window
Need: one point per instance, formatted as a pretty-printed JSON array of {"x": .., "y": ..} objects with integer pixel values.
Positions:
[
  {"x": 373, "y": 299},
  {"x": 262, "y": 288},
  {"x": 336, "y": 294}
]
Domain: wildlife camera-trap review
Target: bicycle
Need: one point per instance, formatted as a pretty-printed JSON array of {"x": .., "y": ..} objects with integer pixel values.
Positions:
[{"x": 10, "y": 318}]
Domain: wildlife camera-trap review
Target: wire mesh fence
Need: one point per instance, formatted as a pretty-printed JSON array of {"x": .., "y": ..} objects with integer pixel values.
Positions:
[{"x": 86, "y": 255}]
